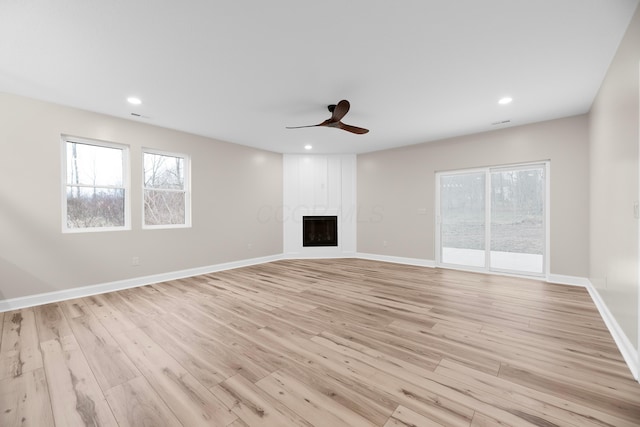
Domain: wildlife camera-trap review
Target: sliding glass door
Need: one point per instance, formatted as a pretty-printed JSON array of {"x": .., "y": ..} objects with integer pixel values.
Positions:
[
  {"x": 463, "y": 219},
  {"x": 518, "y": 219},
  {"x": 493, "y": 219}
]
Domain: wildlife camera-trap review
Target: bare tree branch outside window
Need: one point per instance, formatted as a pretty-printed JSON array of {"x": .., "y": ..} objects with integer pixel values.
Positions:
[{"x": 164, "y": 189}]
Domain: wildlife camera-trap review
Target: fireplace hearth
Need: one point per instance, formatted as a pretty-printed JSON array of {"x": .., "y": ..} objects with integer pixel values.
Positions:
[{"x": 319, "y": 231}]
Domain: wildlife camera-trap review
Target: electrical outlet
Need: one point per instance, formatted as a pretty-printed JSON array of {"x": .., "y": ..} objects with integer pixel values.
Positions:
[
  {"x": 135, "y": 261},
  {"x": 250, "y": 246},
  {"x": 384, "y": 243}
]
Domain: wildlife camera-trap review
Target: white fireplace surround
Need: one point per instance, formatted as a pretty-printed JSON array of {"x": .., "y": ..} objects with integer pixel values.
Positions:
[{"x": 318, "y": 185}]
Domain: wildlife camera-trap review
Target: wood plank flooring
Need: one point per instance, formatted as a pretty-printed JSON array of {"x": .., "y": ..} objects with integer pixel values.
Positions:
[{"x": 343, "y": 342}]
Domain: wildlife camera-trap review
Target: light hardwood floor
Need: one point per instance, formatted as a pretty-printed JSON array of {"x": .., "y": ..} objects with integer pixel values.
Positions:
[{"x": 318, "y": 343}]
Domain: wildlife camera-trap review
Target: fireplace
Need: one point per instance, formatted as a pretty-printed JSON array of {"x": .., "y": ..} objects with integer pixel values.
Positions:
[{"x": 319, "y": 231}]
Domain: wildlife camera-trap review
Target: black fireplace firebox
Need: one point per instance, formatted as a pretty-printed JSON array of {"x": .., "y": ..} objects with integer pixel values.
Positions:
[{"x": 319, "y": 231}]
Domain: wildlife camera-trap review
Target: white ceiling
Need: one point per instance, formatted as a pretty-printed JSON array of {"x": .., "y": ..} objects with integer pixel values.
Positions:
[{"x": 242, "y": 70}]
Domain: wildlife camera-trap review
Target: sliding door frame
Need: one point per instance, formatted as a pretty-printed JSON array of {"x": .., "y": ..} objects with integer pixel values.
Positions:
[{"x": 546, "y": 165}]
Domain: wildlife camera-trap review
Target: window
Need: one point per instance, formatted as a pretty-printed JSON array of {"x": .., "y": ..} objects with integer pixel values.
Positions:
[
  {"x": 166, "y": 190},
  {"x": 96, "y": 193}
]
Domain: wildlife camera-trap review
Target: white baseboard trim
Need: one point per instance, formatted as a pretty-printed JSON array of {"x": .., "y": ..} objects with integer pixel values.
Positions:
[
  {"x": 568, "y": 280},
  {"x": 85, "y": 291},
  {"x": 298, "y": 255},
  {"x": 398, "y": 260},
  {"x": 628, "y": 351}
]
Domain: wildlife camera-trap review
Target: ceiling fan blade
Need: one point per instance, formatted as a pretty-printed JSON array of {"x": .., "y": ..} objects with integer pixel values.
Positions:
[
  {"x": 352, "y": 129},
  {"x": 325, "y": 123},
  {"x": 300, "y": 127},
  {"x": 340, "y": 110}
]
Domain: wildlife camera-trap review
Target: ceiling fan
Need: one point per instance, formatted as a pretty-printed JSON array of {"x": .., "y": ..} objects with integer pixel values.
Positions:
[{"x": 338, "y": 111}]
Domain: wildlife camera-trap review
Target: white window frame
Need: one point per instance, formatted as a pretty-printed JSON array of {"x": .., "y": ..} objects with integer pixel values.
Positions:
[
  {"x": 186, "y": 190},
  {"x": 126, "y": 184}
]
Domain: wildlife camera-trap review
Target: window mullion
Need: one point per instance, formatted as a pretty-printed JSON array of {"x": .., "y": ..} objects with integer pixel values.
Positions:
[
  {"x": 174, "y": 190},
  {"x": 487, "y": 216},
  {"x": 110, "y": 187}
]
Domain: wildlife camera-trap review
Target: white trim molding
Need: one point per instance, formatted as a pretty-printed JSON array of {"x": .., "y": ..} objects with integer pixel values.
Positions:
[
  {"x": 628, "y": 351},
  {"x": 319, "y": 255},
  {"x": 398, "y": 260},
  {"x": 85, "y": 291},
  {"x": 560, "y": 279}
]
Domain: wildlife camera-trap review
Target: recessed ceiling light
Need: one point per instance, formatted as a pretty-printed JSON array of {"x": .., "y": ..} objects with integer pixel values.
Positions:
[
  {"x": 308, "y": 147},
  {"x": 133, "y": 100},
  {"x": 506, "y": 100}
]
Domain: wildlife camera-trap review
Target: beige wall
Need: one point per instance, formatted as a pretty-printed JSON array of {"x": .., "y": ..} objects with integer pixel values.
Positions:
[
  {"x": 396, "y": 187},
  {"x": 613, "y": 129},
  {"x": 230, "y": 184}
]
